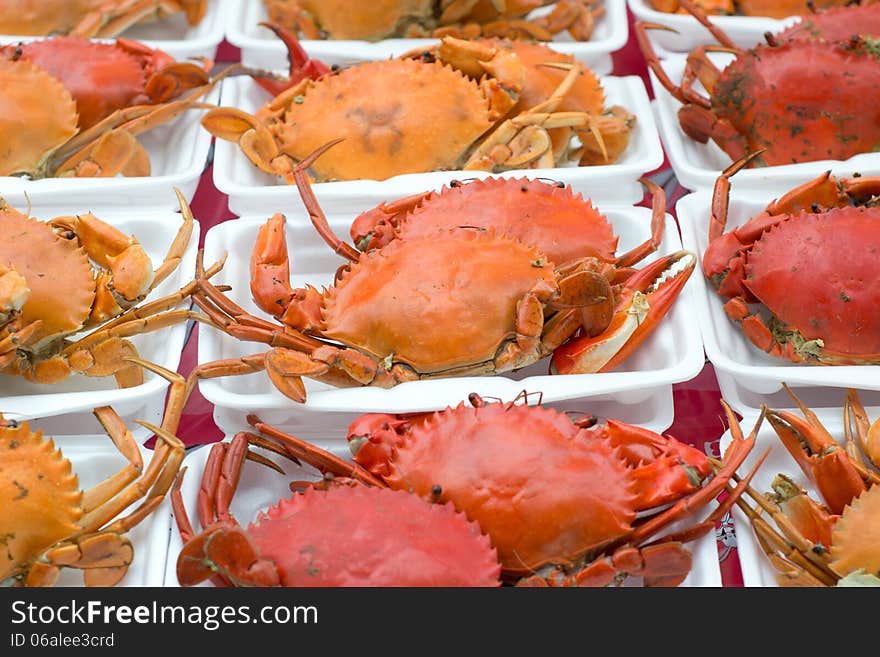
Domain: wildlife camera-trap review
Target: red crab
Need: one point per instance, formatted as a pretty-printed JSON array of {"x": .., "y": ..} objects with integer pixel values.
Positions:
[
  {"x": 810, "y": 259},
  {"x": 105, "y": 77},
  {"x": 562, "y": 224},
  {"x": 560, "y": 499},
  {"x": 798, "y": 100},
  {"x": 459, "y": 302},
  {"x": 346, "y": 535}
]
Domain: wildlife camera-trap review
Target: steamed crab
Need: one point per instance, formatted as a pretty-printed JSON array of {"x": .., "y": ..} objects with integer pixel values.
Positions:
[
  {"x": 402, "y": 540},
  {"x": 352, "y": 19},
  {"x": 72, "y": 107},
  {"x": 90, "y": 18},
  {"x": 48, "y": 523},
  {"x": 559, "y": 498},
  {"x": 461, "y": 301},
  {"x": 766, "y": 8},
  {"x": 819, "y": 543},
  {"x": 809, "y": 260},
  {"x": 454, "y": 108},
  {"x": 798, "y": 100},
  {"x": 75, "y": 274}
]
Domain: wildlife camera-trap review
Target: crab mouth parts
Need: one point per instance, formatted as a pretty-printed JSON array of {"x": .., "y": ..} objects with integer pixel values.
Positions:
[{"x": 806, "y": 349}]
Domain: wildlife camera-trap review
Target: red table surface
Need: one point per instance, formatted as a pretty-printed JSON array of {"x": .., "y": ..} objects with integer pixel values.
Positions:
[{"x": 699, "y": 419}]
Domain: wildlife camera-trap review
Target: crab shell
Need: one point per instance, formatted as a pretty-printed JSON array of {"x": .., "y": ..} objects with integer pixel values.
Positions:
[
  {"x": 101, "y": 77},
  {"x": 837, "y": 24},
  {"x": 57, "y": 272},
  {"x": 543, "y": 489},
  {"x": 385, "y": 134},
  {"x": 37, "y": 116},
  {"x": 341, "y": 19},
  {"x": 561, "y": 224},
  {"x": 802, "y": 101},
  {"x": 856, "y": 536},
  {"x": 436, "y": 304},
  {"x": 44, "y": 17},
  {"x": 817, "y": 274},
  {"x": 40, "y": 497},
  {"x": 364, "y": 536}
]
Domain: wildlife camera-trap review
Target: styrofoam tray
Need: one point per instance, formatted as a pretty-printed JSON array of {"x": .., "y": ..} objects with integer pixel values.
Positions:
[
  {"x": 261, "y": 48},
  {"x": 672, "y": 354},
  {"x": 250, "y": 189},
  {"x": 755, "y": 566},
  {"x": 698, "y": 165},
  {"x": 94, "y": 458},
  {"x": 178, "y": 154},
  {"x": 259, "y": 488},
  {"x": 726, "y": 345},
  {"x": 155, "y": 229},
  {"x": 745, "y": 31},
  {"x": 173, "y": 35}
]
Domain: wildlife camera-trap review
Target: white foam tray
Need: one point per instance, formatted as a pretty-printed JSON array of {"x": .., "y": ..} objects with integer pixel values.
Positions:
[
  {"x": 672, "y": 354},
  {"x": 250, "y": 189},
  {"x": 261, "y": 48},
  {"x": 178, "y": 154},
  {"x": 259, "y": 488},
  {"x": 756, "y": 568},
  {"x": 745, "y": 31},
  {"x": 94, "y": 458},
  {"x": 155, "y": 229},
  {"x": 731, "y": 353},
  {"x": 698, "y": 165},
  {"x": 173, "y": 35}
]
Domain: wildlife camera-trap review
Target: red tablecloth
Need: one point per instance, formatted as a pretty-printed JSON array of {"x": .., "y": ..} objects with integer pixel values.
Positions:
[{"x": 698, "y": 416}]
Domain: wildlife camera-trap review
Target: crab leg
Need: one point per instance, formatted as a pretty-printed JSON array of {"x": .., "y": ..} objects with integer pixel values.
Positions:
[
  {"x": 868, "y": 433},
  {"x": 653, "y": 61},
  {"x": 658, "y": 225},
  {"x": 114, "y": 18},
  {"x": 375, "y": 228},
  {"x": 636, "y": 315},
  {"x": 818, "y": 455},
  {"x": 301, "y": 66}
]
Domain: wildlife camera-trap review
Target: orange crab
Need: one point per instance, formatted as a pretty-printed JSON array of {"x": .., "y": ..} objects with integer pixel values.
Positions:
[
  {"x": 766, "y": 8},
  {"x": 558, "y": 498},
  {"x": 389, "y": 116},
  {"x": 805, "y": 260},
  {"x": 402, "y": 540},
  {"x": 75, "y": 274},
  {"x": 48, "y": 523},
  {"x": 461, "y": 301},
  {"x": 90, "y": 18},
  {"x": 352, "y": 19},
  {"x": 817, "y": 544},
  {"x": 797, "y": 100},
  {"x": 71, "y": 107}
]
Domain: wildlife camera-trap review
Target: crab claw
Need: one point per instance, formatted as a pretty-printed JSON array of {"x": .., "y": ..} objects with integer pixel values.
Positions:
[
  {"x": 818, "y": 455},
  {"x": 636, "y": 315},
  {"x": 226, "y": 550},
  {"x": 301, "y": 66}
]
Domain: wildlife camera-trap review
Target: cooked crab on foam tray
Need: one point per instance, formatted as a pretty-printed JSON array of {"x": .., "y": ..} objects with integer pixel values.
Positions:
[
  {"x": 209, "y": 535},
  {"x": 845, "y": 335},
  {"x": 66, "y": 535},
  {"x": 128, "y": 148},
  {"x": 721, "y": 106},
  {"x": 191, "y": 28},
  {"x": 250, "y": 189},
  {"x": 157, "y": 232},
  {"x": 670, "y": 353},
  {"x": 260, "y": 49},
  {"x": 819, "y": 476}
]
